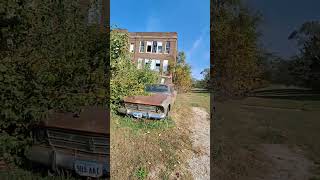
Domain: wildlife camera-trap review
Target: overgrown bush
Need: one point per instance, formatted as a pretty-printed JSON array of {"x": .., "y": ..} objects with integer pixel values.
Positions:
[
  {"x": 126, "y": 78},
  {"x": 50, "y": 59}
]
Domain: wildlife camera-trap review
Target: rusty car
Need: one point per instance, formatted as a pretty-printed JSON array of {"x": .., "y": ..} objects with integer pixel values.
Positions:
[
  {"x": 76, "y": 142},
  {"x": 157, "y": 105}
]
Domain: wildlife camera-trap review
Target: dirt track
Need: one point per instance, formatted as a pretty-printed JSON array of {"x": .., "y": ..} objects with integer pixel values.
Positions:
[
  {"x": 199, "y": 164},
  {"x": 285, "y": 163}
]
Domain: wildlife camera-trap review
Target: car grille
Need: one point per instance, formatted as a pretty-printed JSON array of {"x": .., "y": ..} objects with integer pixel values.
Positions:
[
  {"x": 78, "y": 142},
  {"x": 141, "y": 107}
]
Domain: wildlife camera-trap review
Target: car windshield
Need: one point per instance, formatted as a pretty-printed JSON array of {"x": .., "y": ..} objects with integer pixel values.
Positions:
[{"x": 157, "y": 88}]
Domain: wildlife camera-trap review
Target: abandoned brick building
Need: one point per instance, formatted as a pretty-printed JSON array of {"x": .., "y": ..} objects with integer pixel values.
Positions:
[{"x": 158, "y": 49}]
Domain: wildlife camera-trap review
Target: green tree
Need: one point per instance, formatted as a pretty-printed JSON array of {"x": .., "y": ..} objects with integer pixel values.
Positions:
[
  {"x": 306, "y": 68},
  {"x": 182, "y": 74},
  {"x": 235, "y": 49},
  {"x": 181, "y": 59}
]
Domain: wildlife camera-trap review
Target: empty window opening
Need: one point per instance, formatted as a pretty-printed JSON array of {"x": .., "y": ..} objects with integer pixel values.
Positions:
[
  {"x": 131, "y": 47},
  {"x": 149, "y": 46},
  {"x": 165, "y": 65},
  {"x": 147, "y": 63},
  {"x": 158, "y": 65},
  {"x": 160, "y": 47},
  {"x": 154, "y": 49},
  {"x": 167, "y": 47},
  {"x": 142, "y": 46}
]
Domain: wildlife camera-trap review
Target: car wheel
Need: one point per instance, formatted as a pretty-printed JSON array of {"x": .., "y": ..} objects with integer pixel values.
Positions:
[{"x": 51, "y": 173}]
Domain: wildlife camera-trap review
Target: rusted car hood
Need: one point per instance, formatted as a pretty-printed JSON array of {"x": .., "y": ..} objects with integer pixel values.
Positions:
[
  {"x": 153, "y": 99},
  {"x": 92, "y": 119}
]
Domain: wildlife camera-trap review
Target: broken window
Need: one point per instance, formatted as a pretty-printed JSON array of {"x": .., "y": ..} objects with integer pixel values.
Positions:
[
  {"x": 149, "y": 46},
  {"x": 153, "y": 64},
  {"x": 142, "y": 46},
  {"x": 147, "y": 63},
  {"x": 159, "y": 47},
  {"x": 154, "y": 49},
  {"x": 157, "y": 68},
  {"x": 165, "y": 65},
  {"x": 140, "y": 63},
  {"x": 167, "y": 47},
  {"x": 131, "y": 47}
]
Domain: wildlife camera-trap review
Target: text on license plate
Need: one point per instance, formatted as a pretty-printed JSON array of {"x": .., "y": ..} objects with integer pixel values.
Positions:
[{"x": 85, "y": 168}]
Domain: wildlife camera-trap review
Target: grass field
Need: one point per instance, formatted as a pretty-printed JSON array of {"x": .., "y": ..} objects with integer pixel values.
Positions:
[
  {"x": 243, "y": 124},
  {"x": 154, "y": 149}
]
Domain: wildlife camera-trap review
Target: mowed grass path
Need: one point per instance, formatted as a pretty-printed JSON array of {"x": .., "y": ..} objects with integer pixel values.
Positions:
[
  {"x": 155, "y": 149},
  {"x": 241, "y": 125}
]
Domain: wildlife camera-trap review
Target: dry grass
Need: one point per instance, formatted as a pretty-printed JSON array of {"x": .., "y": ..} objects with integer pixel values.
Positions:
[
  {"x": 240, "y": 128},
  {"x": 153, "y": 150}
]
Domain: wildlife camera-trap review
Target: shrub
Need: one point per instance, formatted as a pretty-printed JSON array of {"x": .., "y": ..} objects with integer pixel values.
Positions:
[
  {"x": 50, "y": 59},
  {"x": 126, "y": 78}
]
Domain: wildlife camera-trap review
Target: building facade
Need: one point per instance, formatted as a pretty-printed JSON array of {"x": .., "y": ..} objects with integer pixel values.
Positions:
[{"x": 158, "y": 50}]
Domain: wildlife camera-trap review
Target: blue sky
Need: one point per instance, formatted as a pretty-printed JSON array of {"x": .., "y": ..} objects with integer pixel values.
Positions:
[
  {"x": 189, "y": 18},
  {"x": 280, "y": 18}
]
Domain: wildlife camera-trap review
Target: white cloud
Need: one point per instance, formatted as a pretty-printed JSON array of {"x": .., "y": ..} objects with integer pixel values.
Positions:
[
  {"x": 197, "y": 43},
  {"x": 195, "y": 46}
]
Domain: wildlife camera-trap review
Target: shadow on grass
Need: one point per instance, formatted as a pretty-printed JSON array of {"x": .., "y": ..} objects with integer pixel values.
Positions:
[
  {"x": 198, "y": 90},
  {"x": 289, "y": 94},
  {"x": 299, "y": 98}
]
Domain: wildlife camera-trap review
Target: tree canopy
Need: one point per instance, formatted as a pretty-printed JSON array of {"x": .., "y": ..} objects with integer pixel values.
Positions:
[
  {"x": 51, "y": 59},
  {"x": 235, "y": 49}
]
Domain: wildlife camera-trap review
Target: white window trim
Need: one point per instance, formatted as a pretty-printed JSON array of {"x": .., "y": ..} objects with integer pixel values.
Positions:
[
  {"x": 158, "y": 62},
  {"x": 131, "y": 50},
  {"x": 165, "y": 49},
  {"x": 158, "y": 47},
  {"x": 147, "y": 46},
  {"x": 143, "y": 47},
  {"x": 166, "y": 67},
  {"x": 146, "y": 61},
  {"x": 153, "y": 64}
]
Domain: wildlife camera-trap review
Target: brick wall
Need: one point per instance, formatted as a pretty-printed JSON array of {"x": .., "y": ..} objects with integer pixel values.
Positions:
[{"x": 163, "y": 37}]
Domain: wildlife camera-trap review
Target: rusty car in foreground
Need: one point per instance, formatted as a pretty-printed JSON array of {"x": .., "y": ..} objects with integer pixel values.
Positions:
[
  {"x": 74, "y": 142},
  {"x": 157, "y": 105}
]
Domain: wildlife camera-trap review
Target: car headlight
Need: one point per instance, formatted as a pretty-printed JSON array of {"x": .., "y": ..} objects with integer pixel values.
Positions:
[
  {"x": 159, "y": 109},
  {"x": 40, "y": 135}
]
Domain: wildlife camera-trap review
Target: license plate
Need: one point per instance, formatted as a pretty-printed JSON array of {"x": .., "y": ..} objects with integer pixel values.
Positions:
[
  {"x": 85, "y": 168},
  {"x": 137, "y": 114}
]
